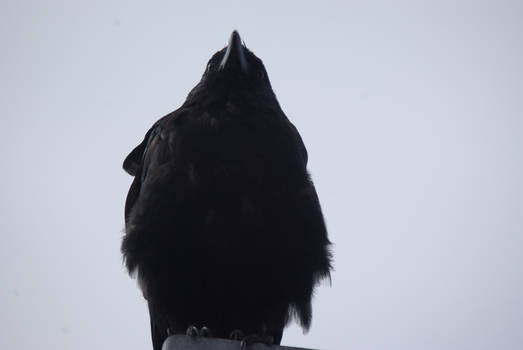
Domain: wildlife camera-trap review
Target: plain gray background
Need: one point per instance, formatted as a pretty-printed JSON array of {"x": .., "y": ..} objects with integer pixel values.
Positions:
[{"x": 412, "y": 115}]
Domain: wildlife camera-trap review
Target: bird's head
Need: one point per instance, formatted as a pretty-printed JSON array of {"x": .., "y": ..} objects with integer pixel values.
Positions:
[{"x": 233, "y": 71}]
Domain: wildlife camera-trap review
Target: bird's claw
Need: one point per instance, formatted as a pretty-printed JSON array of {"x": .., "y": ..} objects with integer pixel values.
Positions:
[
  {"x": 192, "y": 331},
  {"x": 205, "y": 332}
]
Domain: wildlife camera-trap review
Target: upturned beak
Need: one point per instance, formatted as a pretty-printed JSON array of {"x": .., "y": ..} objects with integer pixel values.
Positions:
[{"x": 235, "y": 55}]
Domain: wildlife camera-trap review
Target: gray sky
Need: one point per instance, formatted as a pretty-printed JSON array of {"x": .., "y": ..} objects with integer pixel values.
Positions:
[{"x": 412, "y": 115}]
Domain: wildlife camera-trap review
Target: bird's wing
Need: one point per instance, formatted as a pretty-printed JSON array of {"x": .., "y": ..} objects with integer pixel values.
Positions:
[
  {"x": 299, "y": 144},
  {"x": 150, "y": 163},
  {"x": 138, "y": 162},
  {"x": 132, "y": 162}
]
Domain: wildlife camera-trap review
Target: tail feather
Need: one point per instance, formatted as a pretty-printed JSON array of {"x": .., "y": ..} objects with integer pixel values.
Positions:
[{"x": 158, "y": 335}]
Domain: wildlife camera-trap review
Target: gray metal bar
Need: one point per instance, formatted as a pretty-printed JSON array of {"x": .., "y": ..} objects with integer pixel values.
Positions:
[{"x": 183, "y": 342}]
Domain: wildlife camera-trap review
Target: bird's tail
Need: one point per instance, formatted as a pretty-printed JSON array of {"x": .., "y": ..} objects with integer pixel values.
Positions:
[{"x": 158, "y": 335}]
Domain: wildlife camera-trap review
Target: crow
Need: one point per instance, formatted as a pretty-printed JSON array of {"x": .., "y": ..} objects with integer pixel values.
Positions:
[{"x": 223, "y": 226}]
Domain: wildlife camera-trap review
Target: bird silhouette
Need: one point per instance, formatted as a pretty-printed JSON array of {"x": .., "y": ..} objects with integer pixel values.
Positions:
[{"x": 223, "y": 226}]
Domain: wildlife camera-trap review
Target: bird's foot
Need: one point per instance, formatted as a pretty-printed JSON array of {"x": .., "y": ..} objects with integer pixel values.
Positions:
[
  {"x": 193, "y": 331},
  {"x": 205, "y": 332}
]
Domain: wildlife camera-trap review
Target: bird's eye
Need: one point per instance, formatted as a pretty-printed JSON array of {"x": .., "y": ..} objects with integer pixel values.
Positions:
[
  {"x": 208, "y": 67},
  {"x": 261, "y": 74}
]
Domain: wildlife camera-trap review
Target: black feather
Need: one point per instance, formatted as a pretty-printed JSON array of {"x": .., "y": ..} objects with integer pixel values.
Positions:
[{"x": 223, "y": 223}]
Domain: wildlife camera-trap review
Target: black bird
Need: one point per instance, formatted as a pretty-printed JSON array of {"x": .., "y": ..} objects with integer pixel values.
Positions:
[{"x": 223, "y": 227}]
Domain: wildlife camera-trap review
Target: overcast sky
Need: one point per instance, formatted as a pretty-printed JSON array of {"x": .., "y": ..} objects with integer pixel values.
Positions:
[{"x": 412, "y": 113}]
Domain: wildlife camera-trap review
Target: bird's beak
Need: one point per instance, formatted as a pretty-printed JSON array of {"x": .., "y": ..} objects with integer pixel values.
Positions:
[{"x": 235, "y": 54}]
